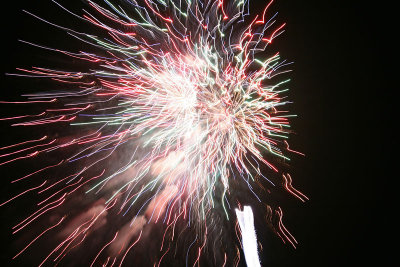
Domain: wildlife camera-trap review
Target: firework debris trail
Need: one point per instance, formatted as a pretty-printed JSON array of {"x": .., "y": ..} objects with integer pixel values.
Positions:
[{"x": 175, "y": 111}]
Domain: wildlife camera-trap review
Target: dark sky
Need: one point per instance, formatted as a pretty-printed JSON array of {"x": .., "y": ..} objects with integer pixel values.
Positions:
[{"x": 342, "y": 96}]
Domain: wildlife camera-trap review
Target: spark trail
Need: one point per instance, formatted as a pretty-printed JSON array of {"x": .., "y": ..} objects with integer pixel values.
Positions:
[
  {"x": 249, "y": 238},
  {"x": 175, "y": 114}
]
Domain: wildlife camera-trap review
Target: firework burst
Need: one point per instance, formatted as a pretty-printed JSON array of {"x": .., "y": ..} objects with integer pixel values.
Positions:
[{"x": 174, "y": 116}]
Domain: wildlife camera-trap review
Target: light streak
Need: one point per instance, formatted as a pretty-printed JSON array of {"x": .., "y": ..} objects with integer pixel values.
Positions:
[{"x": 249, "y": 238}]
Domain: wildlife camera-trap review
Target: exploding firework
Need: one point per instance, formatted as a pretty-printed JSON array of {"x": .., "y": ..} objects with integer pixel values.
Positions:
[{"x": 174, "y": 124}]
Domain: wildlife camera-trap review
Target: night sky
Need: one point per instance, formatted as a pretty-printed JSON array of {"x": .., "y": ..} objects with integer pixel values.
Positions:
[{"x": 342, "y": 96}]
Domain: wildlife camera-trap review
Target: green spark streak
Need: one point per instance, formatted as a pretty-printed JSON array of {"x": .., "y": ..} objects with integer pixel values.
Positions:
[
  {"x": 110, "y": 177},
  {"x": 223, "y": 204}
]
